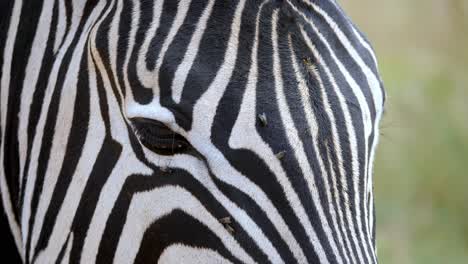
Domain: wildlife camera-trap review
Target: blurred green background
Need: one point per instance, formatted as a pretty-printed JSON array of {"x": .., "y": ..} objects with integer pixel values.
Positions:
[{"x": 421, "y": 174}]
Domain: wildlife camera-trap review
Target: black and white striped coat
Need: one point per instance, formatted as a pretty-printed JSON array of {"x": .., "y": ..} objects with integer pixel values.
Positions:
[{"x": 203, "y": 131}]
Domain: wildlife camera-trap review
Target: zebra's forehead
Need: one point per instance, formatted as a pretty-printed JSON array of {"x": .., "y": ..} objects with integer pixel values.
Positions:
[{"x": 179, "y": 49}]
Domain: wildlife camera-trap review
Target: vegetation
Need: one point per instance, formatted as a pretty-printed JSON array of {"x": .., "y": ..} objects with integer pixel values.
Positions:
[{"x": 421, "y": 174}]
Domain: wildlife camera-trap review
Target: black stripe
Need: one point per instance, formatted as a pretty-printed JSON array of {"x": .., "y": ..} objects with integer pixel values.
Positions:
[
  {"x": 6, "y": 9},
  {"x": 102, "y": 169},
  {"x": 52, "y": 111},
  {"x": 209, "y": 58},
  {"x": 141, "y": 94},
  {"x": 9, "y": 250},
  {"x": 140, "y": 183},
  {"x": 78, "y": 133},
  {"x": 355, "y": 112},
  {"x": 61, "y": 254},
  {"x": 38, "y": 98},
  {"x": 174, "y": 228},
  {"x": 245, "y": 161},
  {"x": 173, "y": 58},
  {"x": 293, "y": 98},
  {"x": 23, "y": 42}
]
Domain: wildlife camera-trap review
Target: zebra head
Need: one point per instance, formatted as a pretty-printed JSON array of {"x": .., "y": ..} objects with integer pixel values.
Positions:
[{"x": 201, "y": 132}]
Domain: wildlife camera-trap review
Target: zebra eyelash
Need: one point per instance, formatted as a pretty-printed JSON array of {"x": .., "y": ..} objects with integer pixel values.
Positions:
[{"x": 159, "y": 138}]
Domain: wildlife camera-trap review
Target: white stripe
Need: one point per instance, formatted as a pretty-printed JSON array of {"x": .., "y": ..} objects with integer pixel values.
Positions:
[
  {"x": 372, "y": 80},
  {"x": 365, "y": 44},
  {"x": 294, "y": 139},
  {"x": 107, "y": 199},
  {"x": 66, "y": 255},
  {"x": 146, "y": 208},
  {"x": 337, "y": 146},
  {"x": 94, "y": 140},
  {"x": 358, "y": 35},
  {"x": 30, "y": 79},
  {"x": 204, "y": 112},
  {"x": 61, "y": 25},
  {"x": 371, "y": 171},
  {"x": 61, "y": 136},
  {"x": 193, "y": 166},
  {"x": 353, "y": 139},
  {"x": 131, "y": 43},
  {"x": 145, "y": 76},
  {"x": 153, "y": 110},
  {"x": 376, "y": 91},
  {"x": 151, "y": 78},
  {"x": 222, "y": 169},
  {"x": 184, "y": 67},
  {"x": 182, "y": 254},
  {"x": 37, "y": 141},
  {"x": 113, "y": 186},
  {"x": 113, "y": 36},
  {"x": 313, "y": 128},
  {"x": 241, "y": 139}
]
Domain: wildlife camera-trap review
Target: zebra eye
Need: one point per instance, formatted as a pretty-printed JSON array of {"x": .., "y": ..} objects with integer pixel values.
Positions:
[{"x": 158, "y": 137}]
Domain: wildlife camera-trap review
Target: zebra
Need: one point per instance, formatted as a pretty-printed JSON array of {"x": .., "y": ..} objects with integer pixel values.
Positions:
[{"x": 189, "y": 131}]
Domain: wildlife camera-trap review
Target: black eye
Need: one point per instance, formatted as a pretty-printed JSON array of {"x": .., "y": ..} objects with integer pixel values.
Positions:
[{"x": 158, "y": 137}]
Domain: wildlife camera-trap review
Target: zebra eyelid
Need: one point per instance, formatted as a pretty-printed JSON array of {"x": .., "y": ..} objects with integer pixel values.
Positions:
[{"x": 159, "y": 138}]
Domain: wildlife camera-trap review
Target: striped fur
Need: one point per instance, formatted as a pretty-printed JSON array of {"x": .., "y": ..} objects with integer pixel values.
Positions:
[{"x": 294, "y": 186}]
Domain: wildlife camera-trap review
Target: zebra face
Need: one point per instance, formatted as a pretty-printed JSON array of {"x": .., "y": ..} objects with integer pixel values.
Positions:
[
  {"x": 261, "y": 114},
  {"x": 209, "y": 132}
]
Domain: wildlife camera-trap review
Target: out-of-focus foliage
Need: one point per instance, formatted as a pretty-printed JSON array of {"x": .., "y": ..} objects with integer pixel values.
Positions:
[{"x": 421, "y": 174}]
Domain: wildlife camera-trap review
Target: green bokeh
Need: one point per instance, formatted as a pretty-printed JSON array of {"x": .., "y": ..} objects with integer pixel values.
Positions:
[{"x": 421, "y": 170}]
